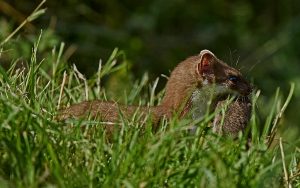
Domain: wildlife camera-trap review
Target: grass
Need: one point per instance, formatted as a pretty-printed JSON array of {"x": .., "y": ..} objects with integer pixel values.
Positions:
[{"x": 38, "y": 151}]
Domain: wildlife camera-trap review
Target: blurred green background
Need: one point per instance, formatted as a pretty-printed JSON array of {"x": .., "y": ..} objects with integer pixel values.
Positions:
[{"x": 262, "y": 38}]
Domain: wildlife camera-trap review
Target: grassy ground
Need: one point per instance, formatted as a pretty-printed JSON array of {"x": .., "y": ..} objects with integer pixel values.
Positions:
[{"x": 38, "y": 151}]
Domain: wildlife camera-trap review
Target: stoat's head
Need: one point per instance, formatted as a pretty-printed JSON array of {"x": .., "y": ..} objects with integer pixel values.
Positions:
[{"x": 211, "y": 70}]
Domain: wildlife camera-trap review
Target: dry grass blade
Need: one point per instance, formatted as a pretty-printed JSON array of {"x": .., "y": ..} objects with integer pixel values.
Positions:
[
  {"x": 286, "y": 176},
  {"x": 61, "y": 89},
  {"x": 81, "y": 76}
]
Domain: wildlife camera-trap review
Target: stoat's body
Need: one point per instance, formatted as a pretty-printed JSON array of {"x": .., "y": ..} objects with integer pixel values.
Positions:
[{"x": 192, "y": 84}]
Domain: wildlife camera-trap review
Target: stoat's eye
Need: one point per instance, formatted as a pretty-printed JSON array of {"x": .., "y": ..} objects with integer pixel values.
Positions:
[{"x": 233, "y": 78}]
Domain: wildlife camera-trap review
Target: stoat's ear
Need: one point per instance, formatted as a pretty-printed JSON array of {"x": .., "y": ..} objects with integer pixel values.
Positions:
[{"x": 205, "y": 66}]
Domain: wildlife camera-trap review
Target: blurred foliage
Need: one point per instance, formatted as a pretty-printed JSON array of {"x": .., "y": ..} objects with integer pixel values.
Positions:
[{"x": 262, "y": 38}]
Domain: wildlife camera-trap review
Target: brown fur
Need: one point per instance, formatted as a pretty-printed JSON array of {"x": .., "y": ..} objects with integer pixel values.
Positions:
[
  {"x": 184, "y": 79},
  {"x": 236, "y": 117}
]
